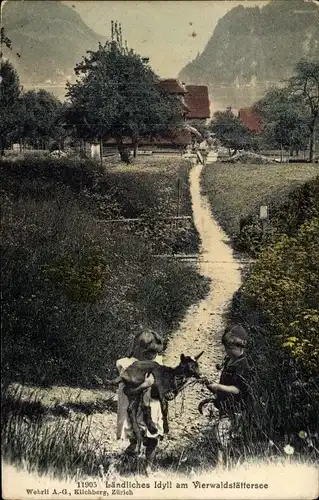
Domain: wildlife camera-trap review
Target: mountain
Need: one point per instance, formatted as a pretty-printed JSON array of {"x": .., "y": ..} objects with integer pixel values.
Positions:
[
  {"x": 252, "y": 48},
  {"x": 48, "y": 39}
]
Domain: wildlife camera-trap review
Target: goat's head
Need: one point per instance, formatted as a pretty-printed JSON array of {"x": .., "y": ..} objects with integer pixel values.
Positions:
[{"x": 189, "y": 365}]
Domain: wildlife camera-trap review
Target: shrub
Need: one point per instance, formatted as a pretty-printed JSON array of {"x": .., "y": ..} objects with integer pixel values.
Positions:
[{"x": 284, "y": 286}]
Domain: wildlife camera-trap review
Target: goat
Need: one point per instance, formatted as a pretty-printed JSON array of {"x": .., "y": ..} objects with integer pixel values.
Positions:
[{"x": 168, "y": 382}]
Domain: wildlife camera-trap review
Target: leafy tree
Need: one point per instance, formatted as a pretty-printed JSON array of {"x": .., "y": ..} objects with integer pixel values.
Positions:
[
  {"x": 285, "y": 122},
  {"x": 43, "y": 117},
  {"x": 118, "y": 96},
  {"x": 305, "y": 84},
  {"x": 230, "y": 131},
  {"x": 9, "y": 104}
]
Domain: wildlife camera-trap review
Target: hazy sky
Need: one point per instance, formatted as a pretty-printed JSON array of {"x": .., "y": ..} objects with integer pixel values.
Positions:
[{"x": 169, "y": 32}]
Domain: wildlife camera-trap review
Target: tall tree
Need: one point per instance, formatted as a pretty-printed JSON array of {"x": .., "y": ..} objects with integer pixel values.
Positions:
[
  {"x": 284, "y": 120},
  {"x": 305, "y": 84},
  {"x": 9, "y": 104},
  {"x": 42, "y": 117},
  {"x": 229, "y": 130},
  {"x": 118, "y": 96}
]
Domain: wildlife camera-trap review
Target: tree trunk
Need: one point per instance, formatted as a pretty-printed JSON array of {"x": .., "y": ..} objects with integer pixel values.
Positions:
[
  {"x": 312, "y": 139},
  {"x": 124, "y": 153},
  {"x": 101, "y": 151}
]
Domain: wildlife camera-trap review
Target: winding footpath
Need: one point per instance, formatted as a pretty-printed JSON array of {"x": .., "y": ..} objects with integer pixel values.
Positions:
[{"x": 202, "y": 326}]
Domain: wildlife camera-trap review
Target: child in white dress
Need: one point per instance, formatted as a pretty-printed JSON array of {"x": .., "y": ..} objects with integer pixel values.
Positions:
[{"x": 147, "y": 346}]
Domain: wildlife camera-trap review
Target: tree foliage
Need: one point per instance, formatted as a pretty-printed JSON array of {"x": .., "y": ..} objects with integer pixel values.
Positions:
[
  {"x": 290, "y": 114},
  {"x": 285, "y": 122},
  {"x": 43, "y": 117},
  {"x": 117, "y": 95},
  {"x": 230, "y": 131},
  {"x": 305, "y": 84},
  {"x": 284, "y": 286},
  {"x": 9, "y": 104},
  {"x": 34, "y": 117}
]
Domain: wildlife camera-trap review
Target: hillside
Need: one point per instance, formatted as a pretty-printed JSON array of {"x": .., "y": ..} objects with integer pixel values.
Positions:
[
  {"x": 253, "y": 47},
  {"x": 49, "y": 37}
]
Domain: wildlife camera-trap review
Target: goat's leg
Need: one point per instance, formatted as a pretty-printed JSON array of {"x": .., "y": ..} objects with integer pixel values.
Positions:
[
  {"x": 164, "y": 408},
  {"x": 147, "y": 417},
  {"x": 131, "y": 449},
  {"x": 132, "y": 410}
]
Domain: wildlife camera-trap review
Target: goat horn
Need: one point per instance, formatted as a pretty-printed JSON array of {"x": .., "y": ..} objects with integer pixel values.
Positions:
[{"x": 199, "y": 355}]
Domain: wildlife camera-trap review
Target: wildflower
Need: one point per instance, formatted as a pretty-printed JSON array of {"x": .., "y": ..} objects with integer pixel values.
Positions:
[
  {"x": 289, "y": 450},
  {"x": 271, "y": 443},
  {"x": 302, "y": 434}
]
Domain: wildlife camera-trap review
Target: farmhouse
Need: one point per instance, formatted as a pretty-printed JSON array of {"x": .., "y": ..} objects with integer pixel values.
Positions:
[
  {"x": 194, "y": 98},
  {"x": 250, "y": 119},
  {"x": 195, "y": 104}
]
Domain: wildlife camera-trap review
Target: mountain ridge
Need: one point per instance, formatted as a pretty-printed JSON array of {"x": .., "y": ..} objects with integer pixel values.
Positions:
[
  {"x": 252, "y": 48},
  {"x": 48, "y": 39}
]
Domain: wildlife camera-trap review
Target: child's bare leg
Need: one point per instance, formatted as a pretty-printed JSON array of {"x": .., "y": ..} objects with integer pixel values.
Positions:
[{"x": 150, "y": 452}]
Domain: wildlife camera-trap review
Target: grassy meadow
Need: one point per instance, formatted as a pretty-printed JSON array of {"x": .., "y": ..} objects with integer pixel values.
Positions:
[
  {"x": 237, "y": 191},
  {"x": 277, "y": 302}
]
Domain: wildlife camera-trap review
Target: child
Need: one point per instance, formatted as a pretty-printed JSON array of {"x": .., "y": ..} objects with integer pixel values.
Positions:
[
  {"x": 147, "y": 346},
  {"x": 232, "y": 391}
]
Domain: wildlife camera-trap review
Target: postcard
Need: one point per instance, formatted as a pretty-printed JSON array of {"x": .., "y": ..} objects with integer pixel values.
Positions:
[{"x": 159, "y": 249}]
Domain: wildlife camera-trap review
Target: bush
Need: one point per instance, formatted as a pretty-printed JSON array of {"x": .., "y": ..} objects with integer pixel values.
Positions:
[{"x": 284, "y": 286}]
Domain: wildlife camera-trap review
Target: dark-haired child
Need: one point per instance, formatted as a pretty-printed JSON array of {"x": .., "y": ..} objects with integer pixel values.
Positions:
[{"x": 233, "y": 389}]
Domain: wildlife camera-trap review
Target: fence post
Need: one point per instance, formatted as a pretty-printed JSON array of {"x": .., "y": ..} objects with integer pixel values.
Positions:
[{"x": 263, "y": 216}]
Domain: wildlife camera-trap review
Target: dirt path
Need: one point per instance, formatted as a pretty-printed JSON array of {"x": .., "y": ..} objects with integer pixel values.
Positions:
[{"x": 202, "y": 326}]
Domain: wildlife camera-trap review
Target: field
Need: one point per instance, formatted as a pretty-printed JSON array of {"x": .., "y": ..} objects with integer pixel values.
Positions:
[
  {"x": 278, "y": 300},
  {"x": 237, "y": 191}
]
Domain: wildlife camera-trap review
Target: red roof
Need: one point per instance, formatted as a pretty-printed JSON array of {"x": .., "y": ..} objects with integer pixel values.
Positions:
[
  {"x": 250, "y": 119},
  {"x": 173, "y": 86},
  {"x": 197, "y": 101}
]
